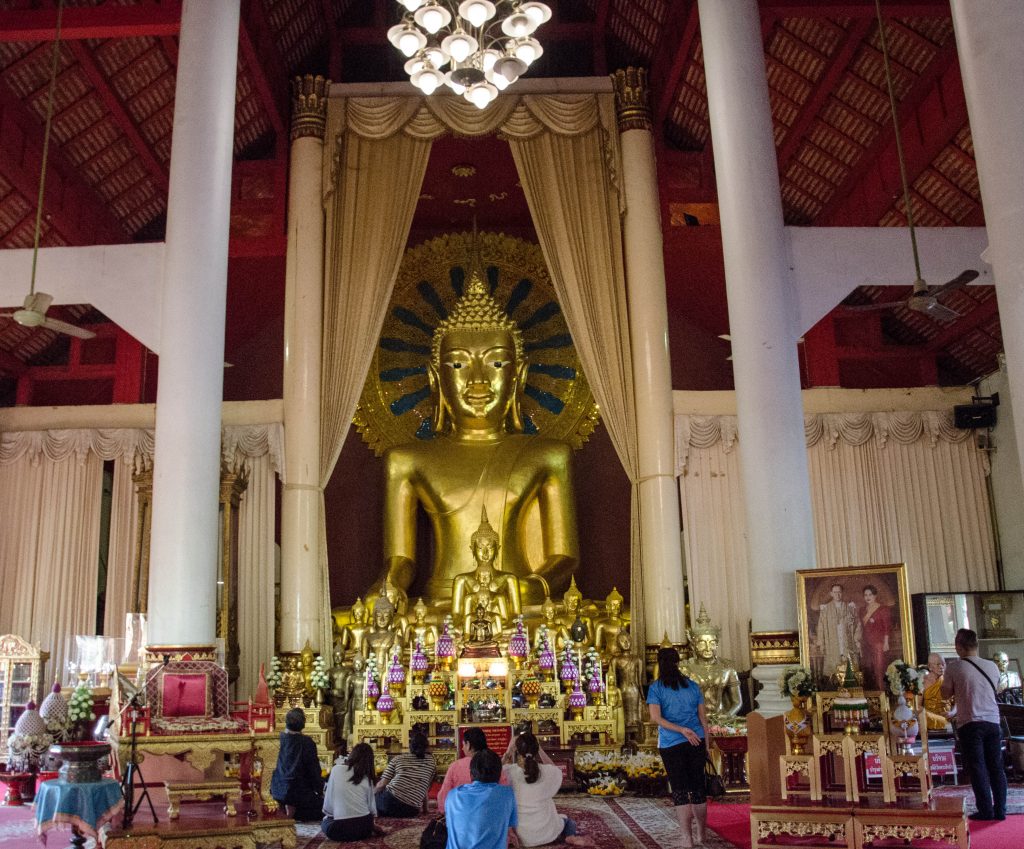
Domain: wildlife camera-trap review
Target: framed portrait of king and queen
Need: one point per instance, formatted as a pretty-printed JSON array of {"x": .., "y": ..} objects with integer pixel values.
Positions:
[{"x": 856, "y": 614}]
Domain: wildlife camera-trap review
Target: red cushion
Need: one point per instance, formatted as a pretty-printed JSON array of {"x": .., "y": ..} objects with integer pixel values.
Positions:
[{"x": 185, "y": 694}]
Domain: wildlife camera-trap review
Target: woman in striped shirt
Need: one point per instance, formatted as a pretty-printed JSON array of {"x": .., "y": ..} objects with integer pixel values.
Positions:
[{"x": 403, "y": 785}]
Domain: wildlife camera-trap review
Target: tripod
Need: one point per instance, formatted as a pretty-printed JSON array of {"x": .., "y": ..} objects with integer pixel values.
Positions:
[{"x": 132, "y": 768}]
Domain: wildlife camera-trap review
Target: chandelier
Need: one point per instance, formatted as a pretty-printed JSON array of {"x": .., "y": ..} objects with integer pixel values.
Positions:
[{"x": 486, "y": 46}]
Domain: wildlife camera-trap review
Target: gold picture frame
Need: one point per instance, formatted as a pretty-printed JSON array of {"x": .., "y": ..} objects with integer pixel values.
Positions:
[{"x": 871, "y": 628}]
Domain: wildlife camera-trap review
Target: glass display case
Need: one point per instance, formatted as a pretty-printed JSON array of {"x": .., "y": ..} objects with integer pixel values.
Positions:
[
  {"x": 997, "y": 617},
  {"x": 21, "y": 682}
]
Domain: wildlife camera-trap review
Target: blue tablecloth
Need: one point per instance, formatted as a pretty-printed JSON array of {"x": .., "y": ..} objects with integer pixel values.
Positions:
[{"x": 85, "y": 806}]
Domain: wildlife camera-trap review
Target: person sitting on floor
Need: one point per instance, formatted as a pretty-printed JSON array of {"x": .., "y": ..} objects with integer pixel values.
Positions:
[
  {"x": 482, "y": 815},
  {"x": 349, "y": 805},
  {"x": 403, "y": 785},
  {"x": 535, "y": 780},
  {"x": 297, "y": 785},
  {"x": 473, "y": 741}
]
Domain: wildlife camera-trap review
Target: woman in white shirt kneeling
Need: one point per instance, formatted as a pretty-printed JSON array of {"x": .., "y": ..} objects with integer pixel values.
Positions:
[
  {"x": 535, "y": 780},
  {"x": 349, "y": 806}
]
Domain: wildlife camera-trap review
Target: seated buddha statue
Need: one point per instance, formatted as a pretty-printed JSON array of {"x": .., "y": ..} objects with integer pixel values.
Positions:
[
  {"x": 558, "y": 634},
  {"x": 383, "y": 635},
  {"x": 420, "y": 631},
  {"x": 479, "y": 457},
  {"x": 349, "y": 638},
  {"x": 579, "y": 625},
  {"x": 938, "y": 711},
  {"x": 719, "y": 682},
  {"x": 608, "y": 627},
  {"x": 486, "y": 585}
]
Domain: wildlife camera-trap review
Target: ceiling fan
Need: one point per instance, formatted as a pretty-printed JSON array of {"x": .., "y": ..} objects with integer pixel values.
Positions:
[
  {"x": 33, "y": 311},
  {"x": 924, "y": 299}
]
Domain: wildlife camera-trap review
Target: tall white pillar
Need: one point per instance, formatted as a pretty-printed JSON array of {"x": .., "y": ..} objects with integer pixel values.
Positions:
[
  {"x": 661, "y": 552},
  {"x": 762, "y": 322},
  {"x": 989, "y": 35},
  {"x": 186, "y": 466},
  {"x": 301, "y": 596}
]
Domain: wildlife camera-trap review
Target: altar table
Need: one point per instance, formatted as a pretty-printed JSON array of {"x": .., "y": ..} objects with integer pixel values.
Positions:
[{"x": 85, "y": 806}]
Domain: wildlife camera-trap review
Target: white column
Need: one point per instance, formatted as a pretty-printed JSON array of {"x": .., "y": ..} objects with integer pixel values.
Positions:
[
  {"x": 661, "y": 552},
  {"x": 989, "y": 35},
  {"x": 186, "y": 467},
  {"x": 301, "y": 596},
  {"x": 762, "y": 319}
]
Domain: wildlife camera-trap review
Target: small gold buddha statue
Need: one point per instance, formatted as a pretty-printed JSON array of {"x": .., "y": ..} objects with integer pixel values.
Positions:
[
  {"x": 558, "y": 634},
  {"x": 420, "y": 631},
  {"x": 608, "y": 627},
  {"x": 579, "y": 625},
  {"x": 383, "y": 634},
  {"x": 349, "y": 639},
  {"x": 719, "y": 682},
  {"x": 486, "y": 585},
  {"x": 481, "y": 626},
  {"x": 479, "y": 458}
]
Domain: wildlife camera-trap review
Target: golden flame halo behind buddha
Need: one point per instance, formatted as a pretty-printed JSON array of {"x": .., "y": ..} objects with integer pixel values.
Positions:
[{"x": 395, "y": 406}]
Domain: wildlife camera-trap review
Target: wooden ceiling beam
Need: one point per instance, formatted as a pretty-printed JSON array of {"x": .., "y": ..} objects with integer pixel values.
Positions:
[
  {"x": 10, "y": 365},
  {"x": 157, "y": 171},
  {"x": 146, "y": 18},
  {"x": 930, "y": 115},
  {"x": 672, "y": 55},
  {"x": 74, "y": 209},
  {"x": 269, "y": 73},
  {"x": 980, "y": 315},
  {"x": 827, "y": 82},
  {"x": 854, "y": 8}
]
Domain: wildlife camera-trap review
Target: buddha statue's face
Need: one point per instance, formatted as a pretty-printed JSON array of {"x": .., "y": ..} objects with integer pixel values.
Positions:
[
  {"x": 624, "y": 641},
  {"x": 383, "y": 617},
  {"x": 614, "y": 607},
  {"x": 705, "y": 646},
  {"x": 484, "y": 551},
  {"x": 548, "y": 610},
  {"x": 477, "y": 378},
  {"x": 358, "y": 614},
  {"x": 572, "y": 603}
]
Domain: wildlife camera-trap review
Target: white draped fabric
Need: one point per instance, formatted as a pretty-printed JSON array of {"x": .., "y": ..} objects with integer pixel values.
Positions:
[
  {"x": 885, "y": 487},
  {"x": 50, "y": 495}
]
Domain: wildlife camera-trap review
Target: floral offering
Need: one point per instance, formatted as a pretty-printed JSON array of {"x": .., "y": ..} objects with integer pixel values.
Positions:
[
  {"x": 901, "y": 677},
  {"x": 797, "y": 681},
  {"x": 319, "y": 678},
  {"x": 275, "y": 678}
]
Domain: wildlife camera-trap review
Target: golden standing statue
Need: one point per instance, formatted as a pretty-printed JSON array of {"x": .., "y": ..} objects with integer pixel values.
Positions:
[
  {"x": 383, "y": 634},
  {"x": 609, "y": 626},
  {"x": 579, "y": 625},
  {"x": 719, "y": 682},
  {"x": 480, "y": 459},
  {"x": 626, "y": 670},
  {"x": 350, "y": 637}
]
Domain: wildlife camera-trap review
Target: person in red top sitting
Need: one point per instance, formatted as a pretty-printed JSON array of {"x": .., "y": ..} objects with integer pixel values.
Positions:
[{"x": 473, "y": 741}]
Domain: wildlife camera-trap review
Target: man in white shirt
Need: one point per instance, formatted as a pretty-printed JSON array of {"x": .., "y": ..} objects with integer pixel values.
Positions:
[{"x": 972, "y": 682}]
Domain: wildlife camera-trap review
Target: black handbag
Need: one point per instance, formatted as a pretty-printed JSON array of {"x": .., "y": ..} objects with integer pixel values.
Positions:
[
  {"x": 714, "y": 787},
  {"x": 435, "y": 835}
]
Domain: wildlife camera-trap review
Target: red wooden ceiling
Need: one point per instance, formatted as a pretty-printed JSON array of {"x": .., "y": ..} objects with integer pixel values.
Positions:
[{"x": 112, "y": 129}]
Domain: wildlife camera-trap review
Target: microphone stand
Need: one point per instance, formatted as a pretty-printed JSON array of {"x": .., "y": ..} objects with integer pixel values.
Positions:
[{"x": 132, "y": 768}]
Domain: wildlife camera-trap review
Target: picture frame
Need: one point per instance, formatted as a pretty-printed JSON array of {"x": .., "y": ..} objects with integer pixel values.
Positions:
[{"x": 867, "y": 619}]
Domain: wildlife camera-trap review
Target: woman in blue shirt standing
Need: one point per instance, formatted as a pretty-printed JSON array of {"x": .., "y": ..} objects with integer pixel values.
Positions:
[{"x": 676, "y": 704}]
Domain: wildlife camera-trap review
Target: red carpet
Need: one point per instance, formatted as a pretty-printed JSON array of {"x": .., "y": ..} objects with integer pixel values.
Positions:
[{"x": 624, "y": 823}]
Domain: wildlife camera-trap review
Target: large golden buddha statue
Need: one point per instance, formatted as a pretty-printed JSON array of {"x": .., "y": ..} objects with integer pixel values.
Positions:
[{"x": 480, "y": 459}]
